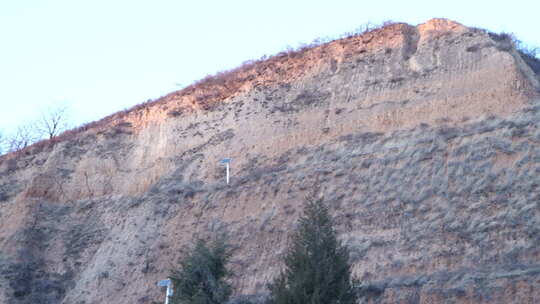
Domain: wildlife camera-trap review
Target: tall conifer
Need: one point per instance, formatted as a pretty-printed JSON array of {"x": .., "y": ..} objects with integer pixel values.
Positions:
[{"x": 317, "y": 269}]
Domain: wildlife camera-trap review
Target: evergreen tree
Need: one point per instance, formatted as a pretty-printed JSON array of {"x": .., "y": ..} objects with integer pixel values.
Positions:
[
  {"x": 201, "y": 278},
  {"x": 317, "y": 269}
]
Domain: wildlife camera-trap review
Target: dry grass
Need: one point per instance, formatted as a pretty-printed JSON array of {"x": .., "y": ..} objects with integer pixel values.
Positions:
[
  {"x": 281, "y": 68},
  {"x": 209, "y": 91},
  {"x": 530, "y": 54}
]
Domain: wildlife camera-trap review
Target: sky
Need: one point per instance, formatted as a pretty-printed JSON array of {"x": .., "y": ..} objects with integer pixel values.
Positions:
[{"x": 102, "y": 56}]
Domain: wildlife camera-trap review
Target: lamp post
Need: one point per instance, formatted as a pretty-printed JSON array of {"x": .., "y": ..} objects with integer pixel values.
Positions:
[
  {"x": 169, "y": 293},
  {"x": 226, "y": 161}
]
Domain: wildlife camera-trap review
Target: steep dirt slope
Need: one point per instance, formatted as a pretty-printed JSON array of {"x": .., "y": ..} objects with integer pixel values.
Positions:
[{"x": 424, "y": 140}]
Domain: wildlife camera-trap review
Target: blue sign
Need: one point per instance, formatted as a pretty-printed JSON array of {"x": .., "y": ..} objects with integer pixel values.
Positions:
[{"x": 225, "y": 160}]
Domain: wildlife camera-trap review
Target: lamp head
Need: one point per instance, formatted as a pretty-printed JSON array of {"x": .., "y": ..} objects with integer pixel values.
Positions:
[{"x": 166, "y": 282}]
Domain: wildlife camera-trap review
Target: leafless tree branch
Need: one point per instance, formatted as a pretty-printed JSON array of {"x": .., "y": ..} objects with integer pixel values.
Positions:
[
  {"x": 24, "y": 137},
  {"x": 53, "y": 121},
  {"x": 2, "y": 143}
]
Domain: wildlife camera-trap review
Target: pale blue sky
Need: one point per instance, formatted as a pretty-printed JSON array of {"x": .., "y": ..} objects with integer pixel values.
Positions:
[{"x": 102, "y": 56}]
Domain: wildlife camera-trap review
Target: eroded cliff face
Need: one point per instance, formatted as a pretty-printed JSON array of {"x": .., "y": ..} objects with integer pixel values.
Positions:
[{"x": 424, "y": 140}]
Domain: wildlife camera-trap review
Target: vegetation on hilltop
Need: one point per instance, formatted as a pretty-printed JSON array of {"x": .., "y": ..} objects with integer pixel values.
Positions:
[
  {"x": 208, "y": 91},
  {"x": 529, "y": 54}
]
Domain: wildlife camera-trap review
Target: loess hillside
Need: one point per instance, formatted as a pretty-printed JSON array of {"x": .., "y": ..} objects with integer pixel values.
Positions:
[{"x": 424, "y": 139}]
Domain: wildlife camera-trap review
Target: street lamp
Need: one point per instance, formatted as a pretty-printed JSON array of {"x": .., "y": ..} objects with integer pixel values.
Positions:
[
  {"x": 226, "y": 161},
  {"x": 169, "y": 293}
]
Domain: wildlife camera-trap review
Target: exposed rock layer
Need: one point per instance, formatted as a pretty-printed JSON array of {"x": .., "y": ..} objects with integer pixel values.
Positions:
[{"x": 424, "y": 139}]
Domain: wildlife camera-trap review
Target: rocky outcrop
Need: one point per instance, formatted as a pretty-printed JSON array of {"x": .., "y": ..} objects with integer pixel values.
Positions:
[{"x": 424, "y": 140}]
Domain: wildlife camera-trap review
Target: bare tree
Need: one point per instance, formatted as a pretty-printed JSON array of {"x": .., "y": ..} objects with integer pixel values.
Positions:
[
  {"x": 24, "y": 137},
  {"x": 53, "y": 121},
  {"x": 2, "y": 140}
]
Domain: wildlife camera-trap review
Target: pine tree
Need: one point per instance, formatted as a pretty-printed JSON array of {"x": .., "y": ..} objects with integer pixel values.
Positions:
[
  {"x": 317, "y": 269},
  {"x": 201, "y": 278}
]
